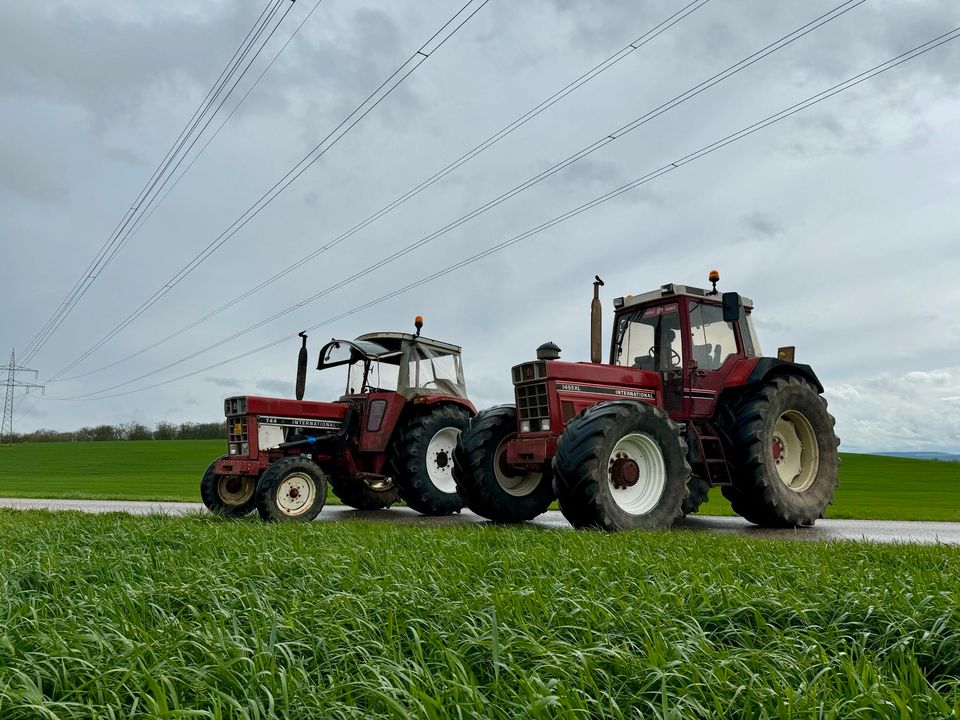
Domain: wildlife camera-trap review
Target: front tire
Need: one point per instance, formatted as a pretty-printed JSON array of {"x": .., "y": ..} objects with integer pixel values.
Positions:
[
  {"x": 227, "y": 495},
  {"x": 490, "y": 488},
  {"x": 291, "y": 489},
  {"x": 785, "y": 454},
  {"x": 422, "y": 457},
  {"x": 622, "y": 465}
]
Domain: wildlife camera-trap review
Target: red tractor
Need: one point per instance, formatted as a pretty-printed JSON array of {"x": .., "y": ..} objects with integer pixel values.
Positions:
[
  {"x": 389, "y": 437},
  {"x": 686, "y": 403}
]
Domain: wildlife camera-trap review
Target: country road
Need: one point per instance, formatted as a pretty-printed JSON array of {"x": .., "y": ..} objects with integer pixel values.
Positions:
[{"x": 882, "y": 531}]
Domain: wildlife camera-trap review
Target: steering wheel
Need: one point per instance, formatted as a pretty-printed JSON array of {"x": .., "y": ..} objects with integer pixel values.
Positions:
[
  {"x": 428, "y": 383},
  {"x": 674, "y": 356}
]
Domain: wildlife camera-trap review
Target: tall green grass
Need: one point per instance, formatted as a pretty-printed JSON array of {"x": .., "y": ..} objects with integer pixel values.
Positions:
[{"x": 120, "y": 617}]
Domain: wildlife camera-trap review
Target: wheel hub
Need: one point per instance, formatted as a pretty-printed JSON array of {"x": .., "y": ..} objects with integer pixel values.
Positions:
[
  {"x": 442, "y": 459},
  {"x": 779, "y": 450},
  {"x": 624, "y": 471}
]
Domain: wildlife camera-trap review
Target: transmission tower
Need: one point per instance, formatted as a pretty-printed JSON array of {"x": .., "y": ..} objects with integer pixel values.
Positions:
[{"x": 6, "y": 428}]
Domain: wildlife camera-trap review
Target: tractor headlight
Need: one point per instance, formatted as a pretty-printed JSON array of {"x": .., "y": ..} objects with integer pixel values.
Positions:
[
  {"x": 234, "y": 448},
  {"x": 545, "y": 424},
  {"x": 244, "y": 448},
  {"x": 525, "y": 426}
]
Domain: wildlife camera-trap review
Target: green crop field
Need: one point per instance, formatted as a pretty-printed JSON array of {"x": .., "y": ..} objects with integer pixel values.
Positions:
[
  {"x": 122, "y": 617},
  {"x": 871, "y": 487}
]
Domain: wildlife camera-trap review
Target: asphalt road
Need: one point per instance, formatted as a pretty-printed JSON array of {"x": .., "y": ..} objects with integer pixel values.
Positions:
[{"x": 883, "y": 531}]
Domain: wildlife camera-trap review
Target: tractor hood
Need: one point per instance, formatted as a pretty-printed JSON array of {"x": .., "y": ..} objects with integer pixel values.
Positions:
[{"x": 584, "y": 372}]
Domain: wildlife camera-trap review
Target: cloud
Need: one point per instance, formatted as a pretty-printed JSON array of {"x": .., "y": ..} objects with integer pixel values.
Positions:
[{"x": 916, "y": 410}]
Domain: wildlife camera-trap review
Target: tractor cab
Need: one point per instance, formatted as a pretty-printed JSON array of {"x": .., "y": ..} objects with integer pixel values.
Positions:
[
  {"x": 392, "y": 362},
  {"x": 692, "y": 337}
]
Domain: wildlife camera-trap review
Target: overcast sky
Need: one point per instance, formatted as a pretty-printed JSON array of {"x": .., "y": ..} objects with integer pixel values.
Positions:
[{"x": 842, "y": 222}]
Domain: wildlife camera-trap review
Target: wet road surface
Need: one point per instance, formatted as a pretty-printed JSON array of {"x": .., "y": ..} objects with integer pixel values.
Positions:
[{"x": 883, "y": 531}]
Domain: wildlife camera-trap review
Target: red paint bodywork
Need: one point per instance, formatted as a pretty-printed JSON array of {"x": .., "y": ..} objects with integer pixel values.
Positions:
[
  {"x": 690, "y": 395},
  {"x": 365, "y": 451}
]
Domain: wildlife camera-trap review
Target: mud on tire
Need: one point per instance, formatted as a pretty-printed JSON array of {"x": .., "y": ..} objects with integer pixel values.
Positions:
[
  {"x": 785, "y": 458},
  {"x": 291, "y": 489},
  {"x": 698, "y": 495},
  {"x": 621, "y": 465},
  {"x": 227, "y": 495},
  {"x": 422, "y": 459},
  {"x": 489, "y": 488}
]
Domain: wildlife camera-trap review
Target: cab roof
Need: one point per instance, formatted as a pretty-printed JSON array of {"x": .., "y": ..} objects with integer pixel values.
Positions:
[
  {"x": 392, "y": 341},
  {"x": 672, "y": 290}
]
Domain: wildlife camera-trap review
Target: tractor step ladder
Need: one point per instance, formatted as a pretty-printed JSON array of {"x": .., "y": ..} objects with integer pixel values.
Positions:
[{"x": 715, "y": 465}]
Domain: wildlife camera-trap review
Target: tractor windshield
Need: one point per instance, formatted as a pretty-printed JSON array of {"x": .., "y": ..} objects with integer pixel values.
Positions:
[
  {"x": 431, "y": 370},
  {"x": 649, "y": 339}
]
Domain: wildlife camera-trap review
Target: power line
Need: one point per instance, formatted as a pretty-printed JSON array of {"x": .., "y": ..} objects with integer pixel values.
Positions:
[
  {"x": 642, "y": 180},
  {"x": 446, "y": 31},
  {"x": 608, "y": 138},
  {"x": 121, "y": 234},
  {"x": 436, "y": 177}
]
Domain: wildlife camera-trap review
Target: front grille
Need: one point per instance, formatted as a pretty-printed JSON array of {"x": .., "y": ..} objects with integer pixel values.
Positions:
[
  {"x": 532, "y": 405},
  {"x": 237, "y": 429},
  {"x": 235, "y": 406}
]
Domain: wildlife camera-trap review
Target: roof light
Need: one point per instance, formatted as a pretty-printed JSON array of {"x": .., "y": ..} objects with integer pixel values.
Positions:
[{"x": 418, "y": 324}]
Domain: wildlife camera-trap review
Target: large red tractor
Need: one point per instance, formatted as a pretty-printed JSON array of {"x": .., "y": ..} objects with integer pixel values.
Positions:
[
  {"x": 686, "y": 403},
  {"x": 389, "y": 437}
]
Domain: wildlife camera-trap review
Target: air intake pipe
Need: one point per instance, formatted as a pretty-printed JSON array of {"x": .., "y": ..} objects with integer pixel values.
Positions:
[{"x": 595, "y": 320}]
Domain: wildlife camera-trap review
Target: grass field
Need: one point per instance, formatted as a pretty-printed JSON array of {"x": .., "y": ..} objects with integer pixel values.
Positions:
[
  {"x": 871, "y": 487},
  {"x": 116, "y": 616}
]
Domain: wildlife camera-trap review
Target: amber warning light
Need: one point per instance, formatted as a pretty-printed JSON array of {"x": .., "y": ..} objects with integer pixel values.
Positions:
[
  {"x": 418, "y": 324},
  {"x": 714, "y": 278}
]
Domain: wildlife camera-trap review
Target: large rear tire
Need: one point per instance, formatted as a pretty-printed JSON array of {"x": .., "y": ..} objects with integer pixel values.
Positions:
[
  {"x": 785, "y": 459},
  {"x": 227, "y": 495},
  {"x": 490, "y": 488},
  {"x": 422, "y": 458},
  {"x": 292, "y": 489},
  {"x": 363, "y": 495},
  {"x": 622, "y": 465}
]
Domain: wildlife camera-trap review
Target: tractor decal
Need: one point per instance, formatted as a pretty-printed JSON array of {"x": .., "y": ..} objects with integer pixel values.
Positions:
[
  {"x": 299, "y": 422},
  {"x": 601, "y": 390}
]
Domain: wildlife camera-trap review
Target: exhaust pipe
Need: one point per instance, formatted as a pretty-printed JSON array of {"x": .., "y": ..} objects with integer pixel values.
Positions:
[
  {"x": 302, "y": 367},
  {"x": 595, "y": 319}
]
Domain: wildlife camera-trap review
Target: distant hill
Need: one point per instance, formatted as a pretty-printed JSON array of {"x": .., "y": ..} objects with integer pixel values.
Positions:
[{"x": 946, "y": 457}]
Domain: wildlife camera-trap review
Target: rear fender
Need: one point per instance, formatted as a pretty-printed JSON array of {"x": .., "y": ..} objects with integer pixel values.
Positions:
[{"x": 428, "y": 400}]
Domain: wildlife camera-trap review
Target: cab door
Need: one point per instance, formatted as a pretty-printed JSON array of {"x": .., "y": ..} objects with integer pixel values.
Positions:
[{"x": 714, "y": 350}]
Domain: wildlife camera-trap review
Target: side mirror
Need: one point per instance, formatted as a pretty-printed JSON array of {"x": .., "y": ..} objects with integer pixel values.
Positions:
[
  {"x": 731, "y": 306},
  {"x": 302, "y": 368}
]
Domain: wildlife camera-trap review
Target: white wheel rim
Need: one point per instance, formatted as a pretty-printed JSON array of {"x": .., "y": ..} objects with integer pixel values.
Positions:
[
  {"x": 440, "y": 459},
  {"x": 518, "y": 484},
  {"x": 295, "y": 494},
  {"x": 234, "y": 490},
  {"x": 636, "y": 473},
  {"x": 795, "y": 451}
]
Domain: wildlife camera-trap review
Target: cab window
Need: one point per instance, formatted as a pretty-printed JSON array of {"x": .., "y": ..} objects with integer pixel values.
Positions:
[
  {"x": 649, "y": 339},
  {"x": 713, "y": 340}
]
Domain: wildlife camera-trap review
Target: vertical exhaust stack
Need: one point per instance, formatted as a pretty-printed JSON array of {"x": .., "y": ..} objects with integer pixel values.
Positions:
[
  {"x": 595, "y": 320},
  {"x": 302, "y": 368}
]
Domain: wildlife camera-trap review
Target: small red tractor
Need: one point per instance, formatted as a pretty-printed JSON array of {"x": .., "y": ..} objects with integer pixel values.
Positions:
[
  {"x": 389, "y": 437},
  {"x": 686, "y": 403}
]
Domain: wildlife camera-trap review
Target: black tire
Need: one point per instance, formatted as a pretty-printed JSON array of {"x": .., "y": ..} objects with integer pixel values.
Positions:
[
  {"x": 698, "y": 495},
  {"x": 585, "y": 467},
  {"x": 758, "y": 493},
  {"x": 228, "y": 495},
  {"x": 284, "y": 482},
  {"x": 358, "y": 494},
  {"x": 423, "y": 475},
  {"x": 486, "y": 486}
]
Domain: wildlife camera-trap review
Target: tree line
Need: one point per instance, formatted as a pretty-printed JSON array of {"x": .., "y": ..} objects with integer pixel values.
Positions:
[{"x": 128, "y": 431}]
